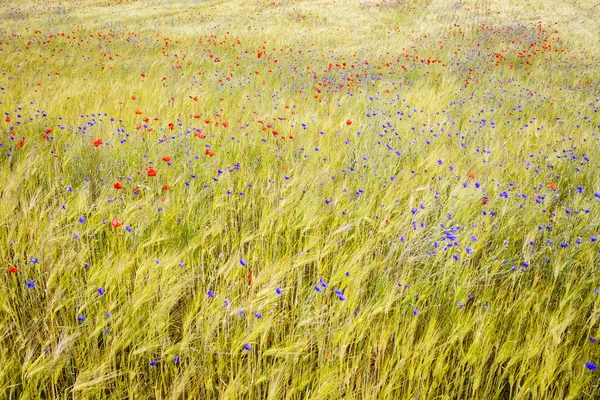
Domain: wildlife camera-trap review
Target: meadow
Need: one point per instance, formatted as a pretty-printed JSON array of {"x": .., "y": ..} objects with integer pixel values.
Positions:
[{"x": 299, "y": 199}]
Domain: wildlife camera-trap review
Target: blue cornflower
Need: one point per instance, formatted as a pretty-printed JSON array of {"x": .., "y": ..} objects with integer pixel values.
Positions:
[
  {"x": 30, "y": 284},
  {"x": 257, "y": 315},
  {"x": 593, "y": 339},
  {"x": 278, "y": 290},
  {"x": 416, "y": 313},
  {"x": 34, "y": 260},
  {"x": 176, "y": 359},
  {"x": 247, "y": 347},
  {"x": 210, "y": 294},
  {"x": 81, "y": 318},
  {"x": 153, "y": 363},
  {"x": 591, "y": 366},
  {"x": 323, "y": 283},
  {"x": 242, "y": 262},
  {"x": 81, "y": 220},
  {"x": 101, "y": 291},
  {"x": 318, "y": 289}
]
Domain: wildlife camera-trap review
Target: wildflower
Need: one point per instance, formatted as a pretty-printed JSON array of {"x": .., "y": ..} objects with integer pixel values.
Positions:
[
  {"x": 81, "y": 220},
  {"x": 12, "y": 269},
  {"x": 101, "y": 291},
  {"x": 81, "y": 318},
  {"x": 118, "y": 186},
  {"x": 416, "y": 313},
  {"x": 153, "y": 363},
  {"x": 30, "y": 284},
  {"x": 257, "y": 315},
  {"x": 247, "y": 347},
  {"x": 210, "y": 294},
  {"x": 278, "y": 291},
  {"x": 242, "y": 262},
  {"x": 151, "y": 171},
  {"x": 176, "y": 359},
  {"x": 34, "y": 260},
  {"x": 116, "y": 222},
  {"x": 591, "y": 366}
]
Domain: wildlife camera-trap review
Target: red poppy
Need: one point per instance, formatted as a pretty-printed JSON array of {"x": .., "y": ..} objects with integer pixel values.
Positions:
[
  {"x": 166, "y": 158},
  {"x": 166, "y": 187},
  {"x": 97, "y": 142},
  {"x": 12, "y": 269},
  {"x": 348, "y": 122},
  {"x": 21, "y": 144},
  {"x": 118, "y": 185},
  {"x": 151, "y": 171},
  {"x": 138, "y": 112},
  {"x": 116, "y": 222}
]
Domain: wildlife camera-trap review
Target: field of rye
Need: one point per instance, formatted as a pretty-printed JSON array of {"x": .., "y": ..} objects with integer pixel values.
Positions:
[{"x": 299, "y": 199}]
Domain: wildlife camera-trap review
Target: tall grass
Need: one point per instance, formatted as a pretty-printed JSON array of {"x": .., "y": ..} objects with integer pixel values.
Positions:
[{"x": 358, "y": 199}]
